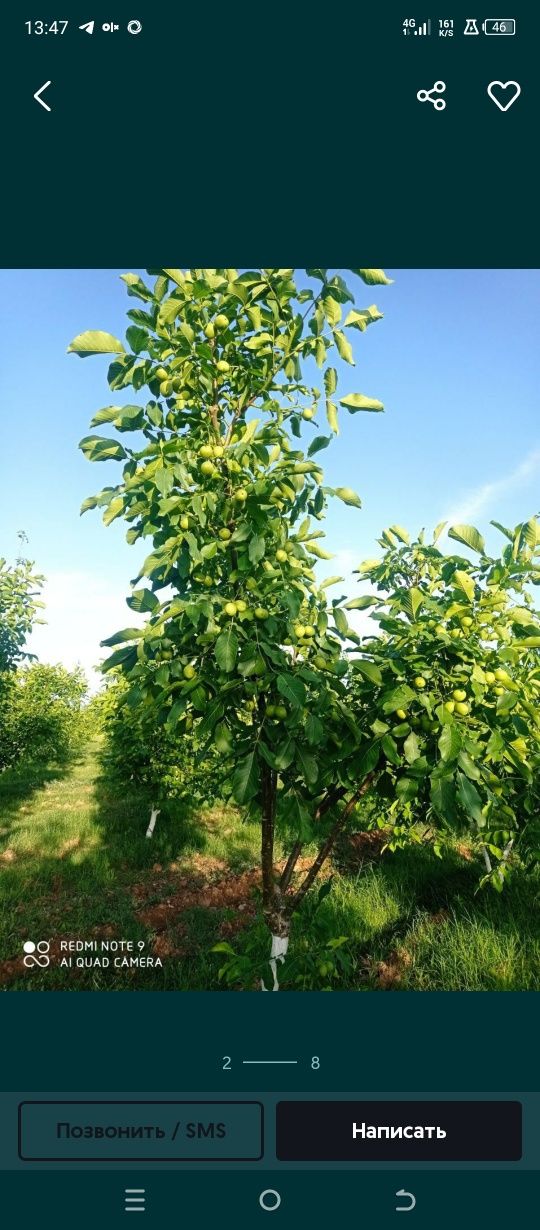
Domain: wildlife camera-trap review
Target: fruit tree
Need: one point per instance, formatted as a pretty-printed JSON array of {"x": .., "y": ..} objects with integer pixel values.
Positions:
[{"x": 222, "y": 475}]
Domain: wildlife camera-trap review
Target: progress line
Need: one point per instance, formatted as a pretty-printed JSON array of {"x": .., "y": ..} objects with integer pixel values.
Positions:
[{"x": 269, "y": 1061}]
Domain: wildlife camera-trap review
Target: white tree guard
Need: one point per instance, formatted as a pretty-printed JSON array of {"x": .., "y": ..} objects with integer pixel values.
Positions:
[
  {"x": 153, "y": 817},
  {"x": 278, "y": 952}
]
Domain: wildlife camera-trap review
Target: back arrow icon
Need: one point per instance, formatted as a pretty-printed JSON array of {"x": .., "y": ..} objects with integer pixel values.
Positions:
[
  {"x": 405, "y": 1208},
  {"x": 38, "y": 94}
]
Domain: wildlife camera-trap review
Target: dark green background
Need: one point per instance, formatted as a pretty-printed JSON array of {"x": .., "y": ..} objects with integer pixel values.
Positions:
[
  {"x": 281, "y": 135},
  {"x": 369, "y": 1041}
]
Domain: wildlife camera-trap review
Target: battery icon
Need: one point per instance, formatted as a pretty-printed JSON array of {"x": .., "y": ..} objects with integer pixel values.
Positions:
[{"x": 499, "y": 25}]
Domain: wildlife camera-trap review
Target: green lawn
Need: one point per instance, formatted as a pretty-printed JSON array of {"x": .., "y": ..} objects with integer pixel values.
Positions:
[{"x": 75, "y": 864}]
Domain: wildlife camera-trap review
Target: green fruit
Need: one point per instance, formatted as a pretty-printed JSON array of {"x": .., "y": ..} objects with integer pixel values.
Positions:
[
  {"x": 419, "y": 682},
  {"x": 165, "y": 388},
  {"x": 189, "y": 672},
  {"x": 462, "y": 708},
  {"x": 218, "y": 450},
  {"x": 221, "y": 321},
  {"x": 401, "y": 714},
  {"x": 223, "y": 366},
  {"x": 490, "y": 677},
  {"x": 501, "y": 675},
  {"x": 308, "y": 414},
  {"x": 455, "y": 633},
  {"x": 261, "y": 612},
  {"x": 184, "y": 523},
  {"x": 299, "y": 630},
  {"x": 224, "y": 534},
  {"x": 466, "y": 622},
  {"x": 281, "y": 712},
  {"x": 251, "y": 584},
  {"x": 270, "y": 710},
  {"x": 177, "y": 384},
  {"x": 459, "y": 694},
  {"x": 233, "y": 466},
  {"x": 499, "y": 691},
  {"x": 209, "y": 330},
  {"x": 160, "y": 373},
  {"x": 309, "y": 630},
  {"x": 241, "y": 495},
  {"x": 281, "y": 556},
  {"x": 230, "y": 608},
  {"x": 207, "y": 580},
  {"x": 206, "y": 451},
  {"x": 449, "y": 706},
  {"x": 207, "y": 468},
  {"x": 241, "y": 605},
  {"x": 440, "y": 630},
  {"x": 319, "y": 662}
]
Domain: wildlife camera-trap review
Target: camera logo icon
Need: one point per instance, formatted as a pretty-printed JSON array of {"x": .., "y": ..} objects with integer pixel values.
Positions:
[{"x": 36, "y": 954}]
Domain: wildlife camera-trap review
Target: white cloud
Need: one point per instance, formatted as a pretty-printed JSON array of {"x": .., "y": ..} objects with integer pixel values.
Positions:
[
  {"x": 81, "y": 609},
  {"x": 477, "y": 500}
]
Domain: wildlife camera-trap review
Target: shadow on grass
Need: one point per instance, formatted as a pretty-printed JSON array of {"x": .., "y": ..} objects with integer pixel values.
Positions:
[{"x": 19, "y": 784}]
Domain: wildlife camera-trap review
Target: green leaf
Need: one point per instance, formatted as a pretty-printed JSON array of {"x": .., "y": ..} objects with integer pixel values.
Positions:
[
  {"x": 98, "y": 448},
  {"x": 348, "y": 496},
  {"x": 361, "y": 604},
  {"x": 126, "y": 656},
  {"x": 226, "y": 650},
  {"x": 443, "y": 797},
  {"x": 367, "y": 761},
  {"x": 332, "y": 310},
  {"x": 340, "y": 620},
  {"x": 466, "y": 763},
  {"x": 407, "y": 788},
  {"x": 412, "y": 601},
  {"x": 469, "y": 536},
  {"x": 373, "y": 277},
  {"x": 369, "y": 670},
  {"x": 389, "y": 747},
  {"x": 438, "y": 531},
  {"x": 357, "y": 401},
  {"x": 246, "y": 779},
  {"x": 506, "y": 702},
  {"x": 398, "y": 698},
  {"x": 400, "y": 533},
  {"x": 308, "y": 765},
  {"x": 142, "y": 600},
  {"x": 95, "y": 342},
  {"x": 332, "y": 416},
  {"x": 449, "y": 741},
  {"x": 344, "y": 347},
  {"x": 318, "y": 444},
  {"x": 465, "y": 582},
  {"x": 285, "y": 754},
  {"x": 361, "y": 319},
  {"x": 256, "y": 548},
  {"x": 503, "y": 530},
  {"x": 330, "y": 381},
  {"x": 120, "y": 638},
  {"x": 315, "y": 549},
  {"x": 411, "y": 748},
  {"x": 470, "y": 799},
  {"x": 292, "y": 689}
]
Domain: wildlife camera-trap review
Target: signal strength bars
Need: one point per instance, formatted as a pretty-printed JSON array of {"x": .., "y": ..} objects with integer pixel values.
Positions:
[
  {"x": 134, "y": 1199},
  {"x": 424, "y": 28}
]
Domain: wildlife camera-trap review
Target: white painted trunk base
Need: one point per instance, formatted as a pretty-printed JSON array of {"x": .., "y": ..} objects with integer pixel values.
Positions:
[
  {"x": 278, "y": 952},
  {"x": 153, "y": 817}
]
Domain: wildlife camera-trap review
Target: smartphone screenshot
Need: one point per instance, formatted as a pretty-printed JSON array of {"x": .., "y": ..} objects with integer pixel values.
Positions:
[{"x": 269, "y": 617}]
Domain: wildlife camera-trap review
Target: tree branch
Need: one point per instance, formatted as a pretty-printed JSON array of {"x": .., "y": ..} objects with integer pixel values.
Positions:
[{"x": 330, "y": 840}]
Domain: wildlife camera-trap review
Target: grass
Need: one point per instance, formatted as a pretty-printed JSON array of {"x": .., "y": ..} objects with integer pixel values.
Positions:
[{"x": 75, "y": 864}]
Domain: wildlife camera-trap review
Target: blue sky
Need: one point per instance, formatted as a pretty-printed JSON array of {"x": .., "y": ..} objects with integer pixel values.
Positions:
[{"x": 456, "y": 362}]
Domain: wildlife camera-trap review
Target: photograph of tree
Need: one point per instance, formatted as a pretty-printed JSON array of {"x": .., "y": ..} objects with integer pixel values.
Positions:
[{"x": 277, "y": 728}]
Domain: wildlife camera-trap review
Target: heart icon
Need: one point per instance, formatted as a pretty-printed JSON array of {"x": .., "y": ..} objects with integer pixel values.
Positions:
[{"x": 507, "y": 90}]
